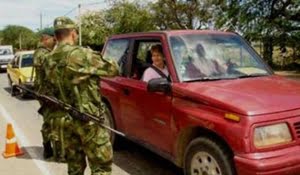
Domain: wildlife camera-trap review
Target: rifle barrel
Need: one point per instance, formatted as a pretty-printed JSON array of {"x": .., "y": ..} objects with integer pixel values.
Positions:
[{"x": 69, "y": 108}]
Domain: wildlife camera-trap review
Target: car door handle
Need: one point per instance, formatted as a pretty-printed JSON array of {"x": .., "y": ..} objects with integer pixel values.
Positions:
[{"x": 126, "y": 91}]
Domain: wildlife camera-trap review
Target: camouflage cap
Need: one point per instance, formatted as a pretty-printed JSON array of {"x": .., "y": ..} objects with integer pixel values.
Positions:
[
  {"x": 63, "y": 23},
  {"x": 47, "y": 31}
]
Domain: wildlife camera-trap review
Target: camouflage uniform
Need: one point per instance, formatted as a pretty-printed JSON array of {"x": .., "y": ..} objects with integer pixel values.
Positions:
[
  {"x": 54, "y": 122},
  {"x": 42, "y": 87},
  {"x": 38, "y": 63},
  {"x": 39, "y": 56},
  {"x": 75, "y": 73}
]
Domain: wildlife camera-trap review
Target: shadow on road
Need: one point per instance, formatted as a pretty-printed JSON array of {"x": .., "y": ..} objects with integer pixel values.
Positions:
[
  {"x": 132, "y": 158},
  {"x": 33, "y": 152},
  {"x": 137, "y": 160},
  {"x": 19, "y": 97},
  {"x": 7, "y": 89},
  {"x": 2, "y": 71}
]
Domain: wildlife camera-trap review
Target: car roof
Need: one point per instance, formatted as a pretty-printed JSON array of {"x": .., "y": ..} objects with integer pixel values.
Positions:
[
  {"x": 25, "y": 52},
  {"x": 6, "y": 47},
  {"x": 170, "y": 33}
]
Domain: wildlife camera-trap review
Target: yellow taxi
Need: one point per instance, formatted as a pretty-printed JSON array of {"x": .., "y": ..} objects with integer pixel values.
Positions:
[{"x": 20, "y": 71}]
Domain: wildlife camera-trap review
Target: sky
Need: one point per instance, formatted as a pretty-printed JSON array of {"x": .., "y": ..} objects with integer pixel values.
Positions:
[{"x": 27, "y": 12}]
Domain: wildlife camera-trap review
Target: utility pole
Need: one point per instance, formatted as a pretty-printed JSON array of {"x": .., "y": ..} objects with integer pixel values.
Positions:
[
  {"x": 41, "y": 21},
  {"x": 20, "y": 41},
  {"x": 79, "y": 23}
]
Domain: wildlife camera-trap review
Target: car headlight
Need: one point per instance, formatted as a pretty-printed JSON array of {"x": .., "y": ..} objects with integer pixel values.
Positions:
[{"x": 271, "y": 135}]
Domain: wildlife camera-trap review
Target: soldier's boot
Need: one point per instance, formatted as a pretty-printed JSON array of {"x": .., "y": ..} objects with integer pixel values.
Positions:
[{"x": 48, "y": 151}]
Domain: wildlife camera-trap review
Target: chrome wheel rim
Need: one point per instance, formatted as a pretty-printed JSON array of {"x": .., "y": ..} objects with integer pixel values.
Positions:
[
  {"x": 106, "y": 119},
  {"x": 107, "y": 122},
  {"x": 204, "y": 164}
]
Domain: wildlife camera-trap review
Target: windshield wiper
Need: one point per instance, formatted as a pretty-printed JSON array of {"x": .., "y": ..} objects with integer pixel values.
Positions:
[
  {"x": 252, "y": 75},
  {"x": 226, "y": 78},
  {"x": 205, "y": 79}
]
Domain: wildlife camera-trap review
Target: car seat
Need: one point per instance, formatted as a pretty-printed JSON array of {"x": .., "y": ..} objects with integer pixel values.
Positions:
[{"x": 149, "y": 57}]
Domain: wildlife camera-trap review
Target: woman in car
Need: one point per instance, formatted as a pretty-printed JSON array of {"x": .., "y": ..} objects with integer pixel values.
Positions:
[{"x": 158, "y": 62}]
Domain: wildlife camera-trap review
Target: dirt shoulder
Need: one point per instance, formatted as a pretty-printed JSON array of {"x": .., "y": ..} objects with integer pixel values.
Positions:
[{"x": 294, "y": 74}]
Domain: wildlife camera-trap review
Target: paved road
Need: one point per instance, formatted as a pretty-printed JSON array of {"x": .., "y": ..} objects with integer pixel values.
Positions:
[{"x": 131, "y": 159}]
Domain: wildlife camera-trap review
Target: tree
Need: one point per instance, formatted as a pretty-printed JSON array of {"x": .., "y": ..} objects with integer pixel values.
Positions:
[
  {"x": 185, "y": 14},
  {"x": 1, "y": 37},
  {"x": 293, "y": 42},
  {"x": 126, "y": 17},
  {"x": 19, "y": 36},
  {"x": 122, "y": 17},
  {"x": 270, "y": 21},
  {"x": 94, "y": 28}
]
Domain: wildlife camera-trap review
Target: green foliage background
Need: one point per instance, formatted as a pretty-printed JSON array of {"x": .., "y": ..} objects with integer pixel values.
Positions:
[{"x": 16, "y": 35}]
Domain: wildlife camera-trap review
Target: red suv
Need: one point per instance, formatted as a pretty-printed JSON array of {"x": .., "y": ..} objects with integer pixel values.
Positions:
[{"x": 220, "y": 110}]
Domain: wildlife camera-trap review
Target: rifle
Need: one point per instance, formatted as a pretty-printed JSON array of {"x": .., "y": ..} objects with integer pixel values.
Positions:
[{"x": 75, "y": 113}]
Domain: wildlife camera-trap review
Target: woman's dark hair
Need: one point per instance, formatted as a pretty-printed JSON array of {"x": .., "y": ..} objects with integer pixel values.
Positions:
[{"x": 157, "y": 48}]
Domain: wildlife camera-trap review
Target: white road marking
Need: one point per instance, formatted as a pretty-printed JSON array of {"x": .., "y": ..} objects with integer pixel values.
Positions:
[
  {"x": 10, "y": 141},
  {"x": 24, "y": 141}
]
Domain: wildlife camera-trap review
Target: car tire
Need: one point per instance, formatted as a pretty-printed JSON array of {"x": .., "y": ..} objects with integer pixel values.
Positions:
[
  {"x": 9, "y": 81},
  {"x": 22, "y": 94},
  {"x": 12, "y": 87},
  {"x": 109, "y": 121},
  {"x": 205, "y": 156}
]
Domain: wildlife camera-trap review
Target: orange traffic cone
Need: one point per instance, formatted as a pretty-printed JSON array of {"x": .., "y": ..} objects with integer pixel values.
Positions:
[{"x": 11, "y": 148}]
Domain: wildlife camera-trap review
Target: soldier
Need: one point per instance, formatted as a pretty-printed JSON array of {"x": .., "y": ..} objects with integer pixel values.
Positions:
[
  {"x": 75, "y": 72},
  {"x": 46, "y": 44}
]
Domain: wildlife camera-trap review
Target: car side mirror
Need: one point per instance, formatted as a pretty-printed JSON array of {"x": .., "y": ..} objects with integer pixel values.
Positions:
[{"x": 159, "y": 85}]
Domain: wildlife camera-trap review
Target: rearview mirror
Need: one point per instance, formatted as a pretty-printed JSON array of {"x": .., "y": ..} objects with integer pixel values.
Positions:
[{"x": 159, "y": 85}]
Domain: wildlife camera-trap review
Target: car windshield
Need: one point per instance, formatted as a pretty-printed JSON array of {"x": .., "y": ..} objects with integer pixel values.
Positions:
[
  {"x": 27, "y": 60},
  {"x": 200, "y": 57},
  {"x": 5, "y": 52}
]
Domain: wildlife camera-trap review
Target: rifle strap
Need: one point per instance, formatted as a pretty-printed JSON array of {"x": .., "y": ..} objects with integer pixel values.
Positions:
[
  {"x": 51, "y": 139},
  {"x": 78, "y": 98},
  {"x": 32, "y": 73},
  {"x": 61, "y": 133}
]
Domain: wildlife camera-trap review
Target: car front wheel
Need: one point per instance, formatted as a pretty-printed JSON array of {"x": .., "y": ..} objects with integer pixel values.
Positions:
[
  {"x": 12, "y": 87},
  {"x": 206, "y": 157},
  {"x": 109, "y": 121},
  {"x": 22, "y": 93}
]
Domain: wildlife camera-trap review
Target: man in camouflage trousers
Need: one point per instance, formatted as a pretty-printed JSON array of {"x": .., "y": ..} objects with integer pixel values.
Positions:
[
  {"x": 75, "y": 73},
  {"x": 45, "y": 46}
]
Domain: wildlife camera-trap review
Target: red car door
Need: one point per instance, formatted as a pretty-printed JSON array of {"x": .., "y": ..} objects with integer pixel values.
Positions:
[
  {"x": 112, "y": 88},
  {"x": 146, "y": 116}
]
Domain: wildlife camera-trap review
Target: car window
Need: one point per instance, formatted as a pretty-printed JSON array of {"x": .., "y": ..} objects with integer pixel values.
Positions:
[
  {"x": 5, "y": 52},
  {"x": 237, "y": 55},
  {"x": 144, "y": 49},
  {"x": 12, "y": 62},
  {"x": 15, "y": 61},
  {"x": 142, "y": 58},
  {"x": 27, "y": 60},
  {"x": 211, "y": 57},
  {"x": 118, "y": 50}
]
